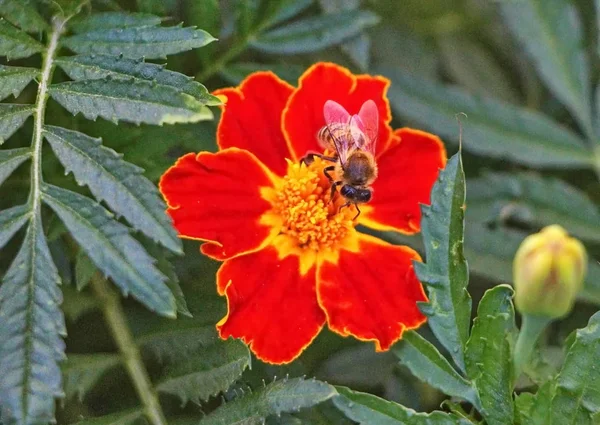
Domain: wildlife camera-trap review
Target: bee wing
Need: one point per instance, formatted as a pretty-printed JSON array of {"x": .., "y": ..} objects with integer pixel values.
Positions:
[
  {"x": 338, "y": 120},
  {"x": 369, "y": 118}
]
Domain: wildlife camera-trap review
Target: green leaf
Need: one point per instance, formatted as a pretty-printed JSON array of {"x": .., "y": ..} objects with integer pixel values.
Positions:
[
  {"x": 85, "y": 67},
  {"x": 112, "y": 249},
  {"x": 16, "y": 44},
  {"x": 120, "y": 184},
  {"x": 81, "y": 372},
  {"x": 551, "y": 33},
  {"x": 11, "y": 220},
  {"x": 12, "y": 117},
  {"x": 445, "y": 274},
  {"x": 213, "y": 370},
  {"x": 133, "y": 101},
  {"x": 534, "y": 200},
  {"x": 315, "y": 33},
  {"x": 367, "y": 409},
  {"x": 146, "y": 42},
  {"x": 84, "y": 270},
  {"x": 32, "y": 325},
  {"x": 10, "y": 160},
  {"x": 492, "y": 128},
  {"x": 577, "y": 387},
  {"x": 427, "y": 364},
  {"x": 13, "y": 79},
  {"x": 112, "y": 20},
  {"x": 533, "y": 409},
  {"x": 489, "y": 355},
  {"x": 283, "y": 10},
  {"x": 23, "y": 14},
  {"x": 276, "y": 398},
  {"x": 127, "y": 417}
]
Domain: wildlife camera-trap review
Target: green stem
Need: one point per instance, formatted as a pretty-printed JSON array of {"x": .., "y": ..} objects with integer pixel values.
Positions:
[
  {"x": 115, "y": 317},
  {"x": 531, "y": 329}
]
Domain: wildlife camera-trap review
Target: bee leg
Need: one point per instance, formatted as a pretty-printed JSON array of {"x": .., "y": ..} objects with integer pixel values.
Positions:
[
  {"x": 309, "y": 158},
  {"x": 357, "y": 212},
  {"x": 334, "y": 186},
  {"x": 327, "y": 170}
]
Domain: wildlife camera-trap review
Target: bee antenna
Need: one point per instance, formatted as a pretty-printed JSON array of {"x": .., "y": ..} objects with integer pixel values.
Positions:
[{"x": 460, "y": 129}]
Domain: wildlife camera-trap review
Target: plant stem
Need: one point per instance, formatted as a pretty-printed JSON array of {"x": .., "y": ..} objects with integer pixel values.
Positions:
[
  {"x": 531, "y": 329},
  {"x": 40, "y": 110},
  {"x": 115, "y": 317}
]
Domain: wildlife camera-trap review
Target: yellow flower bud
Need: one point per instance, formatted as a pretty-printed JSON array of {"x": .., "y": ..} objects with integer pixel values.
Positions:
[{"x": 548, "y": 272}]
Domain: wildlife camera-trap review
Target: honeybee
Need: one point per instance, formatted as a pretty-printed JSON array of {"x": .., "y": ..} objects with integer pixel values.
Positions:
[{"x": 352, "y": 138}]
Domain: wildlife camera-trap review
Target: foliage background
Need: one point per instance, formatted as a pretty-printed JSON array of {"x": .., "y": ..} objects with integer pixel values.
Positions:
[{"x": 443, "y": 57}]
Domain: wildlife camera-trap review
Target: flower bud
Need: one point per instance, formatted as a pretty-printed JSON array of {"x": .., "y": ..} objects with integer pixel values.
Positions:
[{"x": 548, "y": 272}]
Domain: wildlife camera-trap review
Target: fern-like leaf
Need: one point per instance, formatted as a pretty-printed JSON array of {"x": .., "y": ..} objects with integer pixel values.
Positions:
[
  {"x": 15, "y": 44},
  {"x": 112, "y": 249},
  {"x": 10, "y": 160},
  {"x": 32, "y": 325},
  {"x": 11, "y": 220},
  {"x": 115, "y": 181},
  {"x": 11, "y": 118},
  {"x": 13, "y": 79},
  {"x": 82, "y": 371},
  {"x": 135, "y": 43},
  {"x": 133, "y": 101},
  {"x": 114, "y": 20},
  {"x": 22, "y": 14}
]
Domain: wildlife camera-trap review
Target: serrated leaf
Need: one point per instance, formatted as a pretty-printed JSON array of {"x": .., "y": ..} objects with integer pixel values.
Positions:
[
  {"x": 16, "y": 44},
  {"x": 10, "y": 160},
  {"x": 212, "y": 370},
  {"x": 111, "y": 179},
  {"x": 491, "y": 251},
  {"x": 113, "y": 20},
  {"x": 127, "y": 417},
  {"x": 81, "y": 372},
  {"x": 551, "y": 33},
  {"x": 11, "y": 220},
  {"x": 367, "y": 409},
  {"x": 84, "y": 270},
  {"x": 488, "y": 355},
  {"x": 22, "y": 14},
  {"x": 533, "y": 409},
  {"x": 92, "y": 67},
  {"x": 133, "y": 101},
  {"x": 13, "y": 79},
  {"x": 492, "y": 128},
  {"x": 283, "y": 10},
  {"x": 426, "y": 363},
  {"x": 276, "y": 398},
  {"x": 576, "y": 397},
  {"x": 12, "y": 117},
  {"x": 135, "y": 43},
  {"x": 112, "y": 249},
  {"x": 532, "y": 199},
  {"x": 315, "y": 33},
  {"x": 445, "y": 274},
  {"x": 32, "y": 326},
  {"x": 174, "y": 342}
]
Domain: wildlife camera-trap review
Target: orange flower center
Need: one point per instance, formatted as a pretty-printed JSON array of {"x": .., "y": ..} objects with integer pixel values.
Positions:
[{"x": 306, "y": 220}]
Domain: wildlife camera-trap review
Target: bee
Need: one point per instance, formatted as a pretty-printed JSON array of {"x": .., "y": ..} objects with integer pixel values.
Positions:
[{"x": 352, "y": 138}]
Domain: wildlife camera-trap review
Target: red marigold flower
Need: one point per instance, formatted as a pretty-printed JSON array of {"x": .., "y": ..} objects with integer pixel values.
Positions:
[{"x": 292, "y": 260}]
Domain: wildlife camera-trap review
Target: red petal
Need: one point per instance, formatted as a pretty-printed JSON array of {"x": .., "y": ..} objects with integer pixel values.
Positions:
[
  {"x": 251, "y": 119},
  {"x": 372, "y": 294},
  {"x": 303, "y": 115},
  {"x": 216, "y": 198},
  {"x": 407, "y": 172},
  {"x": 271, "y": 306}
]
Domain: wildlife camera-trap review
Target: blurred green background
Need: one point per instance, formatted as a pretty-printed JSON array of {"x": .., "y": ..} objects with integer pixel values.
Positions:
[{"x": 443, "y": 57}]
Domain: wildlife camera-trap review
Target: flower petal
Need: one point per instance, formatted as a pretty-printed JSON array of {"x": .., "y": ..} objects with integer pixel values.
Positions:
[
  {"x": 407, "y": 172},
  {"x": 371, "y": 293},
  {"x": 271, "y": 306},
  {"x": 303, "y": 115},
  {"x": 217, "y": 198},
  {"x": 251, "y": 119}
]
